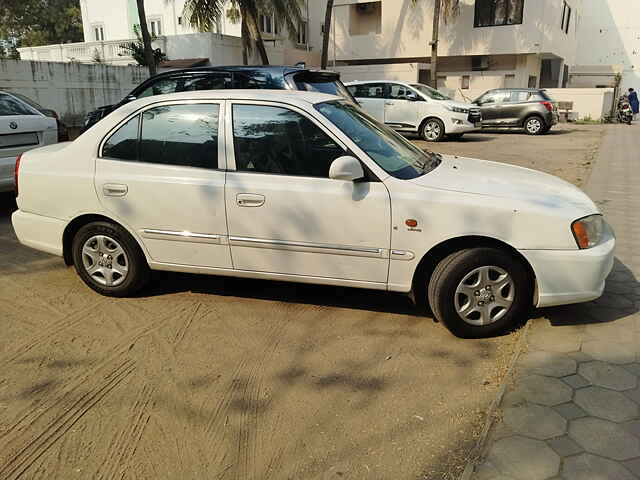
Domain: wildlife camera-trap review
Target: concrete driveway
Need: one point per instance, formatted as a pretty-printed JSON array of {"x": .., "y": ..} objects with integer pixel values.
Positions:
[{"x": 211, "y": 377}]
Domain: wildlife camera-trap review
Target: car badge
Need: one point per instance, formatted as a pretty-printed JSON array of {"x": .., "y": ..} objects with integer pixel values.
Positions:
[{"x": 13, "y": 125}]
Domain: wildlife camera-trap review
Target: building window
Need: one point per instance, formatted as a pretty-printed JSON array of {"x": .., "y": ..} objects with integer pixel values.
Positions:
[
  {"x": 566, "y": 17},
  {"x": 464, "y": 84},
  {"x": 491, "y": 13},
  {"x": 155, "y": 27},
  {"x": 268, "y": 24},
  {"x": 179, "y": 20},
  {"x": 365, "y": 18},
  {"x": 98, "y": 33},
  {"x": 302, "y": 33},
  {"x": 533, "y": 81}
]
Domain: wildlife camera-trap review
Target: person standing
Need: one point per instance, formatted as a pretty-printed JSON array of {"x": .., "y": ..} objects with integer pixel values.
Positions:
[{"x": 633, "y": 101}]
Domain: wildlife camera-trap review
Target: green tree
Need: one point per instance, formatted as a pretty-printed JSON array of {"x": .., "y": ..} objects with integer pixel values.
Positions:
[
  {"x": 205, "y": 15},
  {"x": 40, "y": 22},
  {"x": 136, "y": 50},
  {"x": 447, "y": 9}
]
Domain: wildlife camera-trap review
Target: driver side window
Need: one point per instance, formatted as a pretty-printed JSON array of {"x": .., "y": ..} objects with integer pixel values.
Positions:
[{"x": 277, "y": 140}]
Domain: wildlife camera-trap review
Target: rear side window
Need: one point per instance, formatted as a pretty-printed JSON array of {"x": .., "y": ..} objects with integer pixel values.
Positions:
[
  {"x": 11, "y": 106},
  {"x": 183, "y": 135},
  {"x": 367, "y": 90},
  {"x": 280, "y": 141},
  {"x": 123, "y": 144},
  {"x": 519, "y": 96},
  {"x": 540, "y": 96}
]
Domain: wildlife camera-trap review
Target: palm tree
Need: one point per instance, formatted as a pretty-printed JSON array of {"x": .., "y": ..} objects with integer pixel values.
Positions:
[
  {"x": 448, "y": 9},
  {"x": 204, "y": 15},
  {"x": 146, "y": 39},
  {"x": 327, "y": 30}
]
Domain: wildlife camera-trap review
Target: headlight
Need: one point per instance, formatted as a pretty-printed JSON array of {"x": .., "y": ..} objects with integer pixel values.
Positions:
[
  {"x": 456, "y": 109},
  {"x": 588, "y": 231}
]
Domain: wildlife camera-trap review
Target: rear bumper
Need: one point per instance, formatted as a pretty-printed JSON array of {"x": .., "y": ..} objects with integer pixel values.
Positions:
[
  {"x": 39, "y": 232},
  {"x": 571, "y": 276},
  {"x": 7, "y": 167}
]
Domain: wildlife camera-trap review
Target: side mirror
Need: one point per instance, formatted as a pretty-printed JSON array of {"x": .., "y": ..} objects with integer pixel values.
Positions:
[{"x": 346, "y": 168}]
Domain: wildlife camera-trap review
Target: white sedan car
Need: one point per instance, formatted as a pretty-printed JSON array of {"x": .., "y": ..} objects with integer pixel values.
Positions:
[
  {"x": 22, "y": 127},
  {"x": 416, "y": 108},
  {"x": 306, "y": 187}
]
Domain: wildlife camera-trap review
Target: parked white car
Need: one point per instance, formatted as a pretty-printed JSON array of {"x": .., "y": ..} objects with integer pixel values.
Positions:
[
  {"x": 306, "y": 187},
  {"x": 22, "y": 127},
  {"x": 416, "y": 108}
]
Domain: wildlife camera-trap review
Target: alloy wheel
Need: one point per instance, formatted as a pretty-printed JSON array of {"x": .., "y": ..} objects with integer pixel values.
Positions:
[
  {"x": 105, "y": 260},
  {"x": 484, "y": 295}
]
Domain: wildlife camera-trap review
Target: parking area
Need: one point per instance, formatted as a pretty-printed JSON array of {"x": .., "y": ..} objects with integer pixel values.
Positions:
[{"x": 211, "y": 377}]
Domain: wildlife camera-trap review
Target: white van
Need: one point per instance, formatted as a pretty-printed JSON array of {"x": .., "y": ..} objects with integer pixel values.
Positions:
[{"x": 416, "y": 108}]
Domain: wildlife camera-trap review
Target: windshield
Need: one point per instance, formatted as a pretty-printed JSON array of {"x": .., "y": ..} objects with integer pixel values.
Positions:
[
  {"x": 323, "y": 84},
  {"x": 432, "y": 93},
  {"x": 395, "y": 155}
]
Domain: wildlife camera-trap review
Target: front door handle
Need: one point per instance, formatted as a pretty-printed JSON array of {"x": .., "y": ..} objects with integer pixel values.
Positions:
[
  {"x": 249, "y": 200},
  {"x": 114, "y": 189}
]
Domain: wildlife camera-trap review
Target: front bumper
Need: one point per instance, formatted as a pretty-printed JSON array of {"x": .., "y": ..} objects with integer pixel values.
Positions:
[
  {"x": 459, "y": 123},
  {"x": 572, "y": 276}
]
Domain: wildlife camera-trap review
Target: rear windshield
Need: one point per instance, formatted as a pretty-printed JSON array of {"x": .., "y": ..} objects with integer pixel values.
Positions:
[
  {"x": 28, "y": 101},
  {"x": 324, "y": 84}
]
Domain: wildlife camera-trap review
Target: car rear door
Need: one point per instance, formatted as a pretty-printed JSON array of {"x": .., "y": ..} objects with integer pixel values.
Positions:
[
  {"x": 21, "y": 128},
  {"x": 286, "y": 216},
  {"x": 162, "y": 174},
  {"x": 513, "y": 107},
  {"x": 371, "y": 97}
]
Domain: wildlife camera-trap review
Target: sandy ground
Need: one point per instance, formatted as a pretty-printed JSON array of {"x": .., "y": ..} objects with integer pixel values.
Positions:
[{"x": 209, "y": 377}]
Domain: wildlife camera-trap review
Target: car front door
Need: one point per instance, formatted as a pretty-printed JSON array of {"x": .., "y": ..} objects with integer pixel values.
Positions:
[
  {"x": 162, "y": 174},
  {"x": 400, "y": 112},
  {"x": 488, "y": 104},
  {"x": 371, "y": 98},
  {"x": 285, "y": 215}
]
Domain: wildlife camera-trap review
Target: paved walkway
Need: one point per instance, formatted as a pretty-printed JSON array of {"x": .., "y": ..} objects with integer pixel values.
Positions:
[{"x": 573, "y": 411}]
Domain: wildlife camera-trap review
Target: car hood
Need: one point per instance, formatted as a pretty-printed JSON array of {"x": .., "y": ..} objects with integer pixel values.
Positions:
[{"x": 522, "y": 185}]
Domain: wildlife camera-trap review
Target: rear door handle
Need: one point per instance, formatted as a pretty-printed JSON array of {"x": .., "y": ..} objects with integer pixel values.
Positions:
[
  {"x": 114, "y": 189},
  {"x": 250, "y": 200}
]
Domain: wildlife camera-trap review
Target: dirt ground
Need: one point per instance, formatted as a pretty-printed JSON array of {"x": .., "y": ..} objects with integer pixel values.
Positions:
[{"x": 218, "y": 378}]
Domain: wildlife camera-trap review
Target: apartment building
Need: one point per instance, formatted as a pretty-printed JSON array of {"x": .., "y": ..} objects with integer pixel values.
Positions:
[{"x": 488, "y": 44}]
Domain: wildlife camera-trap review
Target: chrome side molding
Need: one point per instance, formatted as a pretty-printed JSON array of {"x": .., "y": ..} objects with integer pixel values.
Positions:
[{"x": 183, "y": 236}]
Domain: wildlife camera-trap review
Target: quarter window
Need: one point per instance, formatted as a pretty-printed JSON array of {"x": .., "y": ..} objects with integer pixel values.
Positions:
[
  {"x": 123, "y": 144},
  {"x": 489, "y": 13},
  {"x": 183, "y": 135},
  {"x": 280, "y": 141}
]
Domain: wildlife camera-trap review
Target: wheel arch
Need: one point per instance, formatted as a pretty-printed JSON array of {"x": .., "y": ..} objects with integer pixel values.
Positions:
[
  {"x": 78, "y": 222},
  {"x": 429, "y": 117},
  {"x": 530, "y": 115},
  {"x": 431, "y": 258}
]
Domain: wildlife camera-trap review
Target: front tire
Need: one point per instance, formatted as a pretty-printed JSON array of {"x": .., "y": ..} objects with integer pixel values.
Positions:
[
  {"x": 109, "y": 260},
  {"x": 432, "y": 130},
  {"x": 534, "y": 125},
  {"x": 479, "y": 292}
]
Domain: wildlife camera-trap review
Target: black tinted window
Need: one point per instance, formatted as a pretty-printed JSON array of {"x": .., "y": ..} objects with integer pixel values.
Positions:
[
  {"x": 490, "y": 13},
  {"x": 330, "y": 84},
  {"x": 123, "y": 144},
  {"x": 11, "y": 106},
  {"x": 278, "y": 140},
  {"x": 185, "y": 135}
]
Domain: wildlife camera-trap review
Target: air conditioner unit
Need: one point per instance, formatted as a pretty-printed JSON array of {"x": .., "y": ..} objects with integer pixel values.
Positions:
[
  {"x": 480, "y": 62},
  {"x": 365, "y": 7}
]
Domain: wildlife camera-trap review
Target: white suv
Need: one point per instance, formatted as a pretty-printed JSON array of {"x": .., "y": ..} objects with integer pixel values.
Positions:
[{"x": 416, "y": 108}]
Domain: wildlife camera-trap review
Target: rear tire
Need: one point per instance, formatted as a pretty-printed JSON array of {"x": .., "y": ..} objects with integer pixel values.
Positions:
[
  {"x": 432, "y": 130},
  {"x": 479, "y": 292},
  {"x": 534, "y": 125},
  {"x": 109, "y": 260}
]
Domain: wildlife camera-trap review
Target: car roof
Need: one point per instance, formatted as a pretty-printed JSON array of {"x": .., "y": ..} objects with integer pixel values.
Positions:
[
  {"x": 273, "y": 69},
  {"x": 362, "y": 82},
  {"x": 517, "y": 89},
  {"x": 287, "y": 96}
]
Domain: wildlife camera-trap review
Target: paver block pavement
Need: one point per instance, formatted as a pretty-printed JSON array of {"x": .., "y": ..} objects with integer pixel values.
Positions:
[
  {"x": 570, "y": 411},
  {"x": 591, "y": 467},
  {"x": 612, "y": 352},
  {"x": 609, "y": 376},
  {"x": 564, "y": 446},
  {"x": 544, "y": 390},
  {"x": 607, "y": 404},
  {"x": 604, "y": 438},
  {"x": 576, "y": 381},
  {"x": 524, "y": 458},
  {"x": 548, "y": 363},
  {"x": 535, "y": 421}
]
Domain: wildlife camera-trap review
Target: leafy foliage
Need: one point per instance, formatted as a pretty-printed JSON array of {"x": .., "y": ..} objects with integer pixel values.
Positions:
[
  {"x": 136, "y": 49},
  {"x": 41, "y": 22}
]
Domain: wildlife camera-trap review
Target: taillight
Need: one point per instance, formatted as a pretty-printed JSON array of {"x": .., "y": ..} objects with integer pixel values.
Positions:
[
  {"x": 548, "y": 106},
  {"x": 16, "y": 172}
]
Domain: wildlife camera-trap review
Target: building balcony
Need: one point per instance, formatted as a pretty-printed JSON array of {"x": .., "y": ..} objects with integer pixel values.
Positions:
[{"x": 111, "y": 52}]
